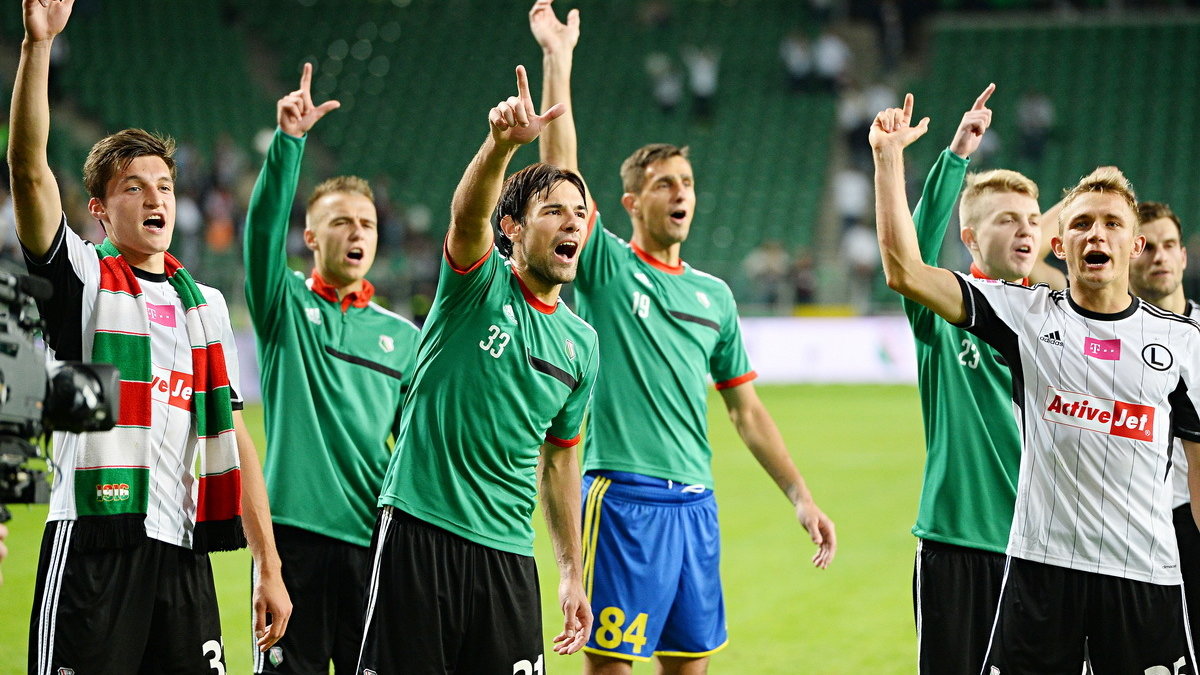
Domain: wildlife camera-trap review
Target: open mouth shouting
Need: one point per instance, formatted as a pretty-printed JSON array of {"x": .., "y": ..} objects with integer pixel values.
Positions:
[
  {"x": 679, "y": 216},
  {"x": 155, "y": 223},
  {"x": 566, "y": 251},
  {"x": 355, "y": 255},
  {"x": 1096, "y": 259}
]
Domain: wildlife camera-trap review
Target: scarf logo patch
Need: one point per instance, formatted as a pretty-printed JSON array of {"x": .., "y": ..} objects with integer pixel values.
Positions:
[
  {"x": 112, "y": 492},
  {"x": 172, "y": 388},
  {"x": 163, "y": 315}
]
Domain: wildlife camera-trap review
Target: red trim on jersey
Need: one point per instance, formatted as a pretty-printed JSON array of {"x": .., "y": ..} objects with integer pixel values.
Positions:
[
  {"x": 533, "y": 300},
  {"x": 741, "y": 379},
  {"x": 454, "y": 266},
  {"x": 655, "y": 262},
  {"x": 978, "y": 274},
  {"x": 358, "y": 298},
  {"x": 552, "y": 440}
]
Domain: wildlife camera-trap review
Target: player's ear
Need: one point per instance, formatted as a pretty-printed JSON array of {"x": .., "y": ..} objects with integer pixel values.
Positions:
[
  {"x": 1139, "y": 245},
  {"x": 510, "y": 227},
  {"x": 310, "y": 239},
  {"x": 629, "y": 201},
  {"x": 967, "y": 235},
  {"x": 96, "y": 209},
  {"x": 1056, "y": 247}
]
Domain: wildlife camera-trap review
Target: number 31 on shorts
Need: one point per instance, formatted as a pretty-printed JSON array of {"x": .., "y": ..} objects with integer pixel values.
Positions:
[{"x": 612, "y": 630}]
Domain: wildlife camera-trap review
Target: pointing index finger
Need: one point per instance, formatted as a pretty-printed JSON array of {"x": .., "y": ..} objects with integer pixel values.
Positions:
[
  {"x": 306, "y": 78},
  {"x": 908, "y": 108},
  {"x": 523, "y": 84},
  {"x": 982, "y": 100}
]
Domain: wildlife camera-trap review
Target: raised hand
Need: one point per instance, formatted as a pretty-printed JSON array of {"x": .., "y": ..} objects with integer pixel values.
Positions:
[
  {"x": 892, "y": 129},
  {"x": 973, "y": 125},
  {"x": 551, "y": 34},
  {"x": 296, "y": 113},
  {"x": 45, "y": 18},
  {"x": 515, "y": 121}
]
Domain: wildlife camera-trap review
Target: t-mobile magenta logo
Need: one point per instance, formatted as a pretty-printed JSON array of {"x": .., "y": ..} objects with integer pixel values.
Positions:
[{"x": 1109, "y": 350}]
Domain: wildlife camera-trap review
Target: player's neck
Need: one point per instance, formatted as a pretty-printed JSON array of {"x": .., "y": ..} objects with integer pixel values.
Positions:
[
  {"x": 1174, "y": 301},
  {"x": 154, "y": 264},
  {"x": 667, "y": 254},
  {"x": 1107, "y": 299},
  {"x": 536, "y": 288}
]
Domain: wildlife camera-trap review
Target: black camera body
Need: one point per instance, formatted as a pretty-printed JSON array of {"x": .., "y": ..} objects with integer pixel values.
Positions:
[{"x": 37, "y": 396}]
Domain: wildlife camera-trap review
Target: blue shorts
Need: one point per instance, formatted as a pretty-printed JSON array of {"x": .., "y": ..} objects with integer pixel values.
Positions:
[{"x": 651, "y": 567}]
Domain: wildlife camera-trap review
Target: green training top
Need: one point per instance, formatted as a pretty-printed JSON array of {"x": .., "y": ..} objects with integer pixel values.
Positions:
[
  {"x": 663, "y": 330},
  {"x": 333, "y": 374},
  {"x": 972, "y": 445},
  {"x": 498, "y": 374}
]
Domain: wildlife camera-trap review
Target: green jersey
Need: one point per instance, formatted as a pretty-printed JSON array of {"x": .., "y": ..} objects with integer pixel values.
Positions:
[
  {"x": 498, "y": 374},
  {"x": 663, "y": 331},
  {"x": 972, "y": 445},
  {"x": 333, "y": 372}
]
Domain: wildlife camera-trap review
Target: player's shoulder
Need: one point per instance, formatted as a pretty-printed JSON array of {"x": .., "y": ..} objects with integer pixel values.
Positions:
[
  {"x": 392, "y": 317},
  {"x": 1160, "y": 314},
  {"x": 575, "y": 322}
]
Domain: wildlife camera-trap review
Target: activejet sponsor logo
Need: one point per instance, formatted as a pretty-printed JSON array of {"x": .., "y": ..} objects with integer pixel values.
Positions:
[
  {"x": 1052, "y": 338},
  {"x": 1108, "y": 350},
  {"x": 172, "y": 388},
  {"x": 1116, "y": 418}
]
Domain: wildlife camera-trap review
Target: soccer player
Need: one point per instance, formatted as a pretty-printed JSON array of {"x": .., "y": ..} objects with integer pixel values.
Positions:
[
  {"x": 1156, "y": 276},
  {"x": 124, "y": 583},
  {"x": 332, "y": 361},
  {"x": 650, "y": 525},
  {"x": 1101, "y": 381},
  {"x": 966, "y": 391},
  {"x": 504, "y": 375}
]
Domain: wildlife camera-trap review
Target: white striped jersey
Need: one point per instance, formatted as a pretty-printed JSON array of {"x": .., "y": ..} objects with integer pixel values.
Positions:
[
  {"x": 1179, "y": 465},
  {"x": 1096, "y": 396},
  {"x": 73, "y": 268}
]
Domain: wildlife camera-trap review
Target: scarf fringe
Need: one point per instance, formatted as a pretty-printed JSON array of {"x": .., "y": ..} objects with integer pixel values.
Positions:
[
  {"x": 219, "y": 535},
  {"x": 109, "y": 532}
]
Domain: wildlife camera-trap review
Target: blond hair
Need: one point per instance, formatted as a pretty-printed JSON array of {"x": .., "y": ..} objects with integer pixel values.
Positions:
[
  {"x": 1104, "y": 179},
  {"x": 990, "y": 182},
  {"x": 348, "y": 184}
]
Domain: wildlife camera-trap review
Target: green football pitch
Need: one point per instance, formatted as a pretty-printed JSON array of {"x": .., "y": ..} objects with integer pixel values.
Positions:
[{"x": 860, "y": 449}]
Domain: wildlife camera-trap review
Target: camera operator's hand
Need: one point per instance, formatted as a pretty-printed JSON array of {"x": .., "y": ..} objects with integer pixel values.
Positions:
[{"x": 3, "y": 549}]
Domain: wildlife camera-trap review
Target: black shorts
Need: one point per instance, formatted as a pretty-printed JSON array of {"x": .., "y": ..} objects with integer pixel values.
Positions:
[
  {"x": 147, "y": 609},
  {"x": 1048, "y": 613},
  {"x": 1188, "y": 536},
  {"x": 327, "y": 581},
  {"x": 437, "y": 603},
  {"x": 955, "y": 594}
]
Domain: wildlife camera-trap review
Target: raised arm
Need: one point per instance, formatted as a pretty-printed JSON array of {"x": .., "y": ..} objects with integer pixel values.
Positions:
[
  {"x": 758, "y": 431},
  {"x": 270, "y": 208},
  {"x": 1043, "y": 272},
  {"x": 558, "y": 145},
  {"x": 906, "y": 273},
  {"x": 558, "y": 473},
  {"x": 513, "y": 123},
  {"x": 36, "y": 202}
]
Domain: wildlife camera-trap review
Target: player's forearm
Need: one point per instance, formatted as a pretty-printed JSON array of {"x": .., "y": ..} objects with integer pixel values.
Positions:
[
  {"x": 558, "y": 144},
  {"x": 256, "y": 511},
  {"x": 933, "y": 211},
  {"x": 559, "y": 489},
  {"x": 474, "y": 200},
  {"x": 36, "y": 202},
  {"x": 761, "y": 436}
]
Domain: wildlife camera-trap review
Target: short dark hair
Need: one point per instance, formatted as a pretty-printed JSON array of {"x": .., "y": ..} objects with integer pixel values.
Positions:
[
  {"x": 535, "y": 180},
  {"x": 1149, "y": 211},
  {"x": 633, "y": 169},
  {"x": 111, "y": 154}
]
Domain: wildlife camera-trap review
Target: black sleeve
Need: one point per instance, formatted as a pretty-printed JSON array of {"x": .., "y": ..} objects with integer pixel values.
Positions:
[
  {"x": 1185, "y": 422},
  {"x": 63, "y": 312}
]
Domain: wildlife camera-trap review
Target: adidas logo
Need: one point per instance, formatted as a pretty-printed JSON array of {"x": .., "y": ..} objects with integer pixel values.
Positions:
[{"x": 1052, "y": 338}]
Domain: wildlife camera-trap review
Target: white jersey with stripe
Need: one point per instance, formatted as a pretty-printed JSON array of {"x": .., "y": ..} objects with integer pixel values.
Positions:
[
  {"x": 1096, "y": 396},
  {"x": 1179, "y": 464},
  {"x": 171, "y": 511}
]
